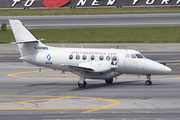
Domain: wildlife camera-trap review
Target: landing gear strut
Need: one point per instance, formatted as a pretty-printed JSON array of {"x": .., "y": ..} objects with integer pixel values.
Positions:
[
  {"x": 82, "y": 83},
  {"x": 148, "y": 82},
  {"x": 109, "y": 81}
]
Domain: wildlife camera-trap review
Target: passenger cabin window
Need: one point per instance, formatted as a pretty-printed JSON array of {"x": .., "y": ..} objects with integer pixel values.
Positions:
[
  {"x": 101, "y": 57},
  {"x": 77, "y": 57},
  {"x": 108, "y": 58},
  {"x": 133, "y": 55},
  {"x": 70, "y": 57},
  {"x": 92, "y": 57},
  {"x": 114, "y": 58},
  {"x": 139, "y": 56},
  {"x": 84, "y": 57}
]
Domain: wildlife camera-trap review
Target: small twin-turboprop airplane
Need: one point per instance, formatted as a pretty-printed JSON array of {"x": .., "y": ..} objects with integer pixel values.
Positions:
[{"x": 87, "y": 63}]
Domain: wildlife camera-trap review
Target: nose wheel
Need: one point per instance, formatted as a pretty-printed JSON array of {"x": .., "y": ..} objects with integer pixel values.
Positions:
[{"x": 148, "y": 82}]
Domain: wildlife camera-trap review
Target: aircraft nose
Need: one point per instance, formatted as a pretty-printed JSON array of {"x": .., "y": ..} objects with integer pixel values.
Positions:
[
  {"x": 157, "y": 68},
  {"x": 167, "y": 69},
  {"x": 162, "y": 69}
]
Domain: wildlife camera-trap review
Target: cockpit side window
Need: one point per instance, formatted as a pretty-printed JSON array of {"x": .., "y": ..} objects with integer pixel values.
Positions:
[
  {"x": 139, "y": 56},
  {"x": 133, "y": 55}
]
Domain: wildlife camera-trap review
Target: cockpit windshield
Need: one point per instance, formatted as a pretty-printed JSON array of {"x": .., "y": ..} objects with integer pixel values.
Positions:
[
  {"x": 139, "y": 56},
  {"x": 134, "y": 56}
]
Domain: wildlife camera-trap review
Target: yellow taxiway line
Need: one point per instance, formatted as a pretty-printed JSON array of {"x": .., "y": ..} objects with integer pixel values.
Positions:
[
  {"x": 88, "y": 110},
  {"x": 42, "y": 76},
  {"x": 173, "y": 64}
]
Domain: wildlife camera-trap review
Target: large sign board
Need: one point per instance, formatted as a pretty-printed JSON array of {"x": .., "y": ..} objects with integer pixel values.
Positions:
[{"x": 83, "y": 3}]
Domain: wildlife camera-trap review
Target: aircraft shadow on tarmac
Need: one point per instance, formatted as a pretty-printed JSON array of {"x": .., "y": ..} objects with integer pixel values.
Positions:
[
  {"x": 92, "y": 86},
  {"x": 89, "y": 85}
]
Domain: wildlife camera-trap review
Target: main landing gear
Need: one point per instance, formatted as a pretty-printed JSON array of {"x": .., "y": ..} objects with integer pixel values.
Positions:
[
  {"x": 109, "y": 81},
  {"x": 82, "y": 83},
  {"x": 148, "y": 82}
]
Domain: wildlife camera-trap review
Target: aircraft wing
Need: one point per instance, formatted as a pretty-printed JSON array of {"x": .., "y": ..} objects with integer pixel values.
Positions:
[
  {"x": 97, "y": 66},
  {"x": 81, "y": 68}
]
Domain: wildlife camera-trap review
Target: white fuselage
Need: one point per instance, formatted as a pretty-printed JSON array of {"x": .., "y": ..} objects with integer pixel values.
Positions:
[
  {"x": 106, "y": 63},
  {"x": 87, "y": 63}
]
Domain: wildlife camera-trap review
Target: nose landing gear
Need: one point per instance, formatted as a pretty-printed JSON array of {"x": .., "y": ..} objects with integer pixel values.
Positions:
[{"x": 148, "y": 82}]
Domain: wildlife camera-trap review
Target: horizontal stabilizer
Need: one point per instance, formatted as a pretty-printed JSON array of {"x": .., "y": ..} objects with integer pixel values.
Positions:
[
  {"x": 28, "y": 41},
  {"x": 20, "y": 42}
]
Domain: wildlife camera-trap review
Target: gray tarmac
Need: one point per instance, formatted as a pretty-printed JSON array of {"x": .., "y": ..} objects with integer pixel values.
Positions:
[
  {"x": 81, "y": 21},
  {"x": 24, "y": 94}
]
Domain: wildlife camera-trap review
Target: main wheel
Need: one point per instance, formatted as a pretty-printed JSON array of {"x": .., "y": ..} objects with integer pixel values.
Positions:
[
  {"x": 109, "y": 81},
  {"x": 148, "y": 82},
  {"x": 82, "y": 85}
]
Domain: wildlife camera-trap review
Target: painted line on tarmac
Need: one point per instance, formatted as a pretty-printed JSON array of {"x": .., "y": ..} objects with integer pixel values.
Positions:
[
  {"x": 10, "y": 56},
  {"x": 42, "y": 76},
  {"x": 115, "y": 102},
  {"x": 88, "y": 110},
  {"x": 173, "y": 64},
  {"x": 43, "y": 100}
]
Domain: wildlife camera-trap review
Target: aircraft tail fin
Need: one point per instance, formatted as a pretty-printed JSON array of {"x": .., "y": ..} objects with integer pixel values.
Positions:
[
  {"x": 25, "y": 40},
  {"x": 21, "y": 33}
]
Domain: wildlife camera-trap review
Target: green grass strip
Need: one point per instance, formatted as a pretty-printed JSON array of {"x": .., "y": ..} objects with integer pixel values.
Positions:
[
  {"x": 95, "y": 11},
  {"x": 103, "y": 35}
]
